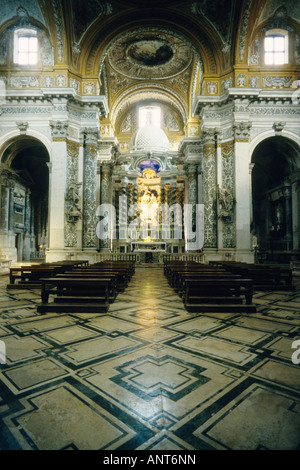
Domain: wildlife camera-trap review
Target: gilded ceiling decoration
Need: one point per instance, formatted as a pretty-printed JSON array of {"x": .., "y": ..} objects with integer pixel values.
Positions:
[
  {"x": 86, "y": 12},
  {"x": 150, "y": 54},
  {"x": 217, "y": 13}
]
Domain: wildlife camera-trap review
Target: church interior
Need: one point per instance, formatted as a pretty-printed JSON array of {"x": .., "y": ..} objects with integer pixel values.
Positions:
[{"x": 150, "y": 225}]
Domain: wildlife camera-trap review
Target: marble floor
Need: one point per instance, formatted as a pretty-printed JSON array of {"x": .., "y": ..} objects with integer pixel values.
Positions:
[{"x": 148, "y": 375}]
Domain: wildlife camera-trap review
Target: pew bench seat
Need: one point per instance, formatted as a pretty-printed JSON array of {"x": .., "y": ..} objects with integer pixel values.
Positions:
[
  {"x": 219, "y": 295},
  {"x": 84, "y": 294},
  {"x": 29, "y": 276}
]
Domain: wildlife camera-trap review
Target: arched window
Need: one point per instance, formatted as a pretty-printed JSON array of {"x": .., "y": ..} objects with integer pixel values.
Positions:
[
  {"x": 25, "y": 47},
  {"x": 276, "y": 47},
  {"x": 150, "y": 115}
]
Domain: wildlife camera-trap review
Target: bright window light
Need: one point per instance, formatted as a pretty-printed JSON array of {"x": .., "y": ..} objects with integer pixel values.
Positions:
[
  {"x": 276, "y": 48},
  {"x": 149, "y": 115},
  {"x": 26, "y": 48}
]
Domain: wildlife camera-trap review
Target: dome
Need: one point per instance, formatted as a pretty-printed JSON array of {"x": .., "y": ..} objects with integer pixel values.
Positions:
[{"x": 149, "y": 138}]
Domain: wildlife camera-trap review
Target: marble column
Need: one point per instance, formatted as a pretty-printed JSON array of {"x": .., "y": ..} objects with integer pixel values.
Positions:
[
  {"x": 123, "y": 208},
  {"x": 135, "y": 198},
  {"x": 73, "y": 199},
  {"x": 11, "y": 208},
  {"x": 90, "y": 136},
  {"x": 4, "y": 206},
  {"x": 106, "y": 227},
  {"x": 180, "y": 201},
  {"x": 209, "y": 188},
  {"x": 166, "y": 204},
  {"x": 116, "y": 204},
  {"x": 191, "y": 170},
  {"x": 106, "y": 212},
  {"x": 296, "y": 213},
  {"x": 27, "y": 235},
  {"x": 228, "y": 238},
  {"x": 191, "y": 149},
  {"x": 288, "y": 217},
  {"x": 192, "y": 191},
  {"x": 7, "y": 235}
]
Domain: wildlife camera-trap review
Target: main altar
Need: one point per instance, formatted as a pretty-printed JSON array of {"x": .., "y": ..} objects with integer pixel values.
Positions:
[{"x": 158, "y": 247}]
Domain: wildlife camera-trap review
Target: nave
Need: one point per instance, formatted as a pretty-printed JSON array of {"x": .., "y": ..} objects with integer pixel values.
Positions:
[{"x": 148, "y": 375}]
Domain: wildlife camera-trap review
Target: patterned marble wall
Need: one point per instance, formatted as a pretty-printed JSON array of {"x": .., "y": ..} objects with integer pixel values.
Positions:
[
  {"x": 90, "y": 189},
  {"x": 73, "y": 199},
  {"x": 105, "y": 198},
  {"x": 228, "y": 182},
  {"x": 209, "y": 190}
]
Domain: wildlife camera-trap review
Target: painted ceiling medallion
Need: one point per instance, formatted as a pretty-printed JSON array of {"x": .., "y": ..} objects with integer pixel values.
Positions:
[{"x": 150, "y": 54}]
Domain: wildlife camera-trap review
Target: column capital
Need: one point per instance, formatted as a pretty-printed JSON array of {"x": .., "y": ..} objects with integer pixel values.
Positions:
[
  {"x": 108, "y": 147},
  {"x": 6, "y": 177},
  {"x": 242, "y": 131},
  {"x": 209, "y": 135},
  {"x": 90, "y": 135},
  {"x": 59, "y": 130}
]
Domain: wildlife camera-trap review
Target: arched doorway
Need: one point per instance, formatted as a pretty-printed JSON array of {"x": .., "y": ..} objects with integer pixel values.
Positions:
[
  {"x": 275, "y": 199},
  {"x": 24, "y": 199}
]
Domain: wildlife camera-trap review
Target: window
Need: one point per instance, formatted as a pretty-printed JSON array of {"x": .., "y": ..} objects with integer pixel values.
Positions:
[
  {"x": 149, "y": 115},
  {"x": 25, "y": 47},
  {"x": 276, "y": 47}
]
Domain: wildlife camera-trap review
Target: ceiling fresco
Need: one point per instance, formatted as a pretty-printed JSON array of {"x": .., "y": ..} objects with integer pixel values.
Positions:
[
  {"x": 85, "y": 12},
  {"x": 218, "y": 13},
  {"x": 151, "y": 54}
]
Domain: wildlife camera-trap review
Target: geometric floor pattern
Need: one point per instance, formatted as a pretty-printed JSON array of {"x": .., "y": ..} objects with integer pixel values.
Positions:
[{"x": 148, "y": 375}]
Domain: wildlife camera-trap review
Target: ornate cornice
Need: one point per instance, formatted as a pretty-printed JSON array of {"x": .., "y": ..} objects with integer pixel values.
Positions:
[
  {"x": 248, "y": 96},
  {"x": 190, "y": 148}
]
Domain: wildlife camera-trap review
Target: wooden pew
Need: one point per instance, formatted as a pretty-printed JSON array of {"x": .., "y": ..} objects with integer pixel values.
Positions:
[
  {"x": 74, "y": 295},
  {"x": 206, "y": 288},
  {"x": 122, "y": 271},
  {"x": 127, "y": 265},
  {"x": 172, "y": 272},
  {"x": 183, "y": 277},
  {"x": 219, "y": 295},
  {"x": 29, "y": 276},
  {"x": 114, "y": 289},
  {"x": 85, "y": 289},
  {"x": 123, "y": 275},
  {"x": 265, "y": 277}
]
